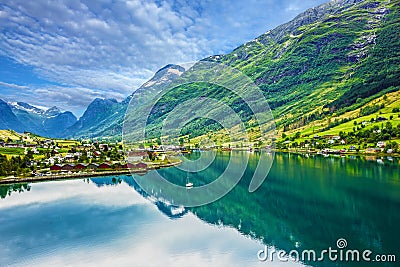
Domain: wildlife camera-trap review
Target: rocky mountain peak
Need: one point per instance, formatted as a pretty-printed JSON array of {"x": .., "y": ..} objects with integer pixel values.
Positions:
[
  {"x": 53, "y": 111},
  {"x": 164, "y": 75}
]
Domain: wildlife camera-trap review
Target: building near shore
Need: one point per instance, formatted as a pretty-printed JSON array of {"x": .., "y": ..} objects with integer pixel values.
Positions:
[
  {"x": 57, "y": 167},
  {"x": 68, "y": 167},
  {"x": 80, "y": 166},
  {"x": 105, "y": 166}
]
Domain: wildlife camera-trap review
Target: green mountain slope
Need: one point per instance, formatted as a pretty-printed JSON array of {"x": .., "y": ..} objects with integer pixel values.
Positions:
[
  {"x": 340, "y": 59},
  {"x": 98, "y": 117},
  {"x": 327, "y": 61}
]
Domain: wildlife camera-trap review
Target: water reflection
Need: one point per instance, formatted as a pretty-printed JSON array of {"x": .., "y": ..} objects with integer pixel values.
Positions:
[
  {"x": 7, "y": 190},
  {"x": 171, "y": 211},
  {"x": 310, "y": 202},
  {"x": 104, "y": 223},
  {"x": 305, "y": 203}
]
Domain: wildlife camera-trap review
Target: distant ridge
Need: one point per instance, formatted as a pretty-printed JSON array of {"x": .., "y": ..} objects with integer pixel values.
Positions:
[{"x": 20, "y": 117}]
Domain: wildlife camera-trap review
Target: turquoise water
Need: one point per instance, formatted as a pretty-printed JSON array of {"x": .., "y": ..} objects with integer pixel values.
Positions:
[{"x": 305, "y": 203}]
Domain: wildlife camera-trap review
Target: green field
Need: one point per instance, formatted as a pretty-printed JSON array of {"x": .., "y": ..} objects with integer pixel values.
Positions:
[
  {"x": 352, "y": 121},
  {"x": 14, "y": 151}
]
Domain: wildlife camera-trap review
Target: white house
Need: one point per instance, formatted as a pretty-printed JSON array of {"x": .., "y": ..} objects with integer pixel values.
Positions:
[{"x": 381, "y": 144}]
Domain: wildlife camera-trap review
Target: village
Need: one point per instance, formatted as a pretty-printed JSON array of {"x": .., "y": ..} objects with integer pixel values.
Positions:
[
  {"x": 335, "y": 144},
  {"x": 30, "y": 155}
]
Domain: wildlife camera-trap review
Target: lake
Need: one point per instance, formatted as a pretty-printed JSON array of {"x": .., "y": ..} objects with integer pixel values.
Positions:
[{"x": 306, "y": 203}]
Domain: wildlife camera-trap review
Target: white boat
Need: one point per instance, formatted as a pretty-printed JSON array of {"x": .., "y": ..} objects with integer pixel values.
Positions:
[
  {"x": 379, "y": 161},
  {"x": 188, "y": 184}
]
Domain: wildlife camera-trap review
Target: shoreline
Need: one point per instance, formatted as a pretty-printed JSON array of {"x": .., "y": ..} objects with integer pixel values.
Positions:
[
  {"x": 317, "y": 152},
  {"x": 72, "y": 176},
  {"x": 55, "y": 177},
  {"x": 348, "y": 153}
]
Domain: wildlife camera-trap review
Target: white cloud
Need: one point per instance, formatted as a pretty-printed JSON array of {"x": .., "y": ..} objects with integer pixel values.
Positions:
[
  {"x": 55, "y": 191},
  {"x": 114, "y": 47},
  {"x": 11, "y": 85}
]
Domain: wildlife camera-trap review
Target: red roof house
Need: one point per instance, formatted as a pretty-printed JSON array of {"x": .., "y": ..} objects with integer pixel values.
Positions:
[
  {"x": 56, "y": 167},
  {"x": 141, "y": 165},
  {"x": 80, "y": 166},
  {"x": 105, "y": 166},
  {"x": 68, "y": 167}
]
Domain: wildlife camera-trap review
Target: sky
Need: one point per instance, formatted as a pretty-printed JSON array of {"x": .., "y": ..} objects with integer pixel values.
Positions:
[{"x": 66, "y": 53}]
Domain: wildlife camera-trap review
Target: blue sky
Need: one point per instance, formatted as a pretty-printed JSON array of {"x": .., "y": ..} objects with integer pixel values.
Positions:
[{"x": 68, "y": 52}]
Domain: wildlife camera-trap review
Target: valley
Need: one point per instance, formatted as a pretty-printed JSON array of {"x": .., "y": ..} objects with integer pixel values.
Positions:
[{"x": 329, "y": 88}]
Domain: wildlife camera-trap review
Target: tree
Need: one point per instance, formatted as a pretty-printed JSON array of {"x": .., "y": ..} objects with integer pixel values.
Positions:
[
  {"x": 151, "y": 155},
  {"x": 84, "y": 157}
]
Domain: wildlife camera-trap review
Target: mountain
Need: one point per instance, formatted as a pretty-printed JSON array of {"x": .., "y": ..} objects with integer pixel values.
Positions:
[
  {"x": 8, "y": 120},
  {"x": 104, "y": 117},
  {"x": 26, "y": 107},
  {"x": 162, "y": 77},
  {"x": 52, "y": 112},
  {"x": 329, "y": 60},
  {"x": 51, "y": 122},
  {"x": 56, "y": 125},
  {"x": 99, "y": 116}
]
